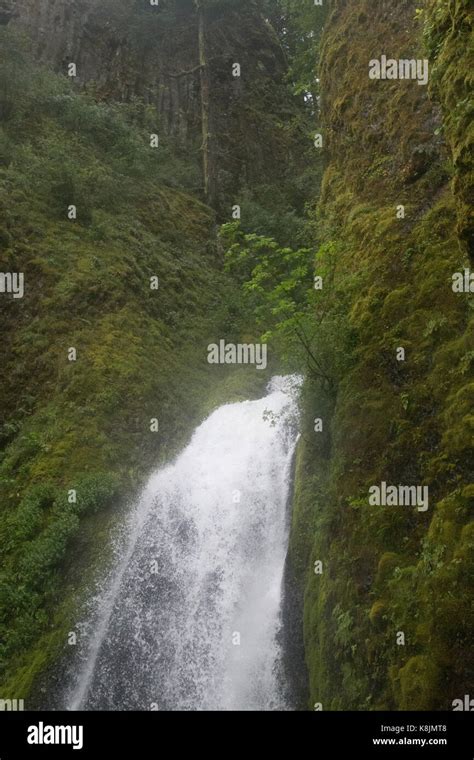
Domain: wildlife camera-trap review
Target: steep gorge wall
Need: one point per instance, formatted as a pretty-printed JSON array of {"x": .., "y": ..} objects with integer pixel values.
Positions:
[
  {"x": 128, "y": 51},
  {"x": 116, "y": 56},
  {"x": 389, "y": 620}
]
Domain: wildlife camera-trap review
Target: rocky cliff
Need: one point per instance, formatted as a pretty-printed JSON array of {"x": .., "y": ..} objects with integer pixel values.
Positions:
[{"x": 130, "y": 51}]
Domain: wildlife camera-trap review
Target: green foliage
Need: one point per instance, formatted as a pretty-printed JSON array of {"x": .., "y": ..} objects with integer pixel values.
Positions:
[
  {"x": 306, "y": 326},
  {"x": 300, "y": 25},
  {"x": 85, "y": 425},
  {"x": 35, "y": 539},
  {"x": 276, "y": 282}
]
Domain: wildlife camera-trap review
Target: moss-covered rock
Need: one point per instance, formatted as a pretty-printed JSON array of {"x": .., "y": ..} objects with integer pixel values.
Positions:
[
  {"x": 392, "y": 570},
  {"x": 419, "y": 682}
]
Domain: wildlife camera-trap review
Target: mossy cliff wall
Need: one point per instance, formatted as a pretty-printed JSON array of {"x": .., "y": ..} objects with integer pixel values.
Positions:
[{"x": 389, "y": 620}]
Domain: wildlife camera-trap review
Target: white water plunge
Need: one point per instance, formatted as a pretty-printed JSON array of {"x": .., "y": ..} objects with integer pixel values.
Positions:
[{"x": 190, "y": 616}]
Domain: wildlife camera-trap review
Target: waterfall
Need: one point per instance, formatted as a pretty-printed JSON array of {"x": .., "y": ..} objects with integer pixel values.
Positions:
[{"x": 190, "y": 615}]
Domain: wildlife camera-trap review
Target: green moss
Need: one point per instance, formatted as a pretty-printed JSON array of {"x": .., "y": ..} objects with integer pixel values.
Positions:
[
  {"x": 448, "y": 32},
  {"x": 388, "y": 563},
  {"x": 390, "y": 570},
  {"x": 419, "y": 682},
  {"x": 377, "y": 613}
]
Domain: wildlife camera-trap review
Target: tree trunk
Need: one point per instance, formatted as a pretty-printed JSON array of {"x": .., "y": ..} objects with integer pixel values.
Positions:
[{"x": 208, "y": 143}]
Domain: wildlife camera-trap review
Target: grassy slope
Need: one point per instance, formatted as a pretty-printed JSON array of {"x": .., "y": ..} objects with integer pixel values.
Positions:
[
  {"x": 141, "y": 354},
  {"x": 388, "y": 570}
]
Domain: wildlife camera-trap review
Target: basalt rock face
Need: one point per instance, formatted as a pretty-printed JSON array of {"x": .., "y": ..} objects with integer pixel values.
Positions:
[
  {"x": 114, "y": 56},
  {"x": 54, "y": 25},
  {"x": 126, "y": 51}
]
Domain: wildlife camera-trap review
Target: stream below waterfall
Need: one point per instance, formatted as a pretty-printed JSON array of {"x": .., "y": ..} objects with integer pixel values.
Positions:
[{"x": 190, "y": 615}]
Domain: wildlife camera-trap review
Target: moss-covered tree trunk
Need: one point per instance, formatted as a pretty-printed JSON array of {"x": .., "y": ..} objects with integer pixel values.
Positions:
[{"x": 208, "y": 147}]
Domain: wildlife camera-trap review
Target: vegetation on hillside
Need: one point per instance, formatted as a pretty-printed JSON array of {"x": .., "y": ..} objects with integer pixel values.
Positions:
[
  {"x": 84, "y": 425},
  {"x": 324, "y": 267}
]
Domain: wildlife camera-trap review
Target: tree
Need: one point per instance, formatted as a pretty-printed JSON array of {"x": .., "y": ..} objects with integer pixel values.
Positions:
[
  {"x": 299, "y": 24},
  {"x": 208, "y": 140},
  {"x": 307, "y": 325}
]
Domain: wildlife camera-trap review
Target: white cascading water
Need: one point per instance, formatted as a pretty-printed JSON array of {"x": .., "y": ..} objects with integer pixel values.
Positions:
[{"x": 190, "y": 616}]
